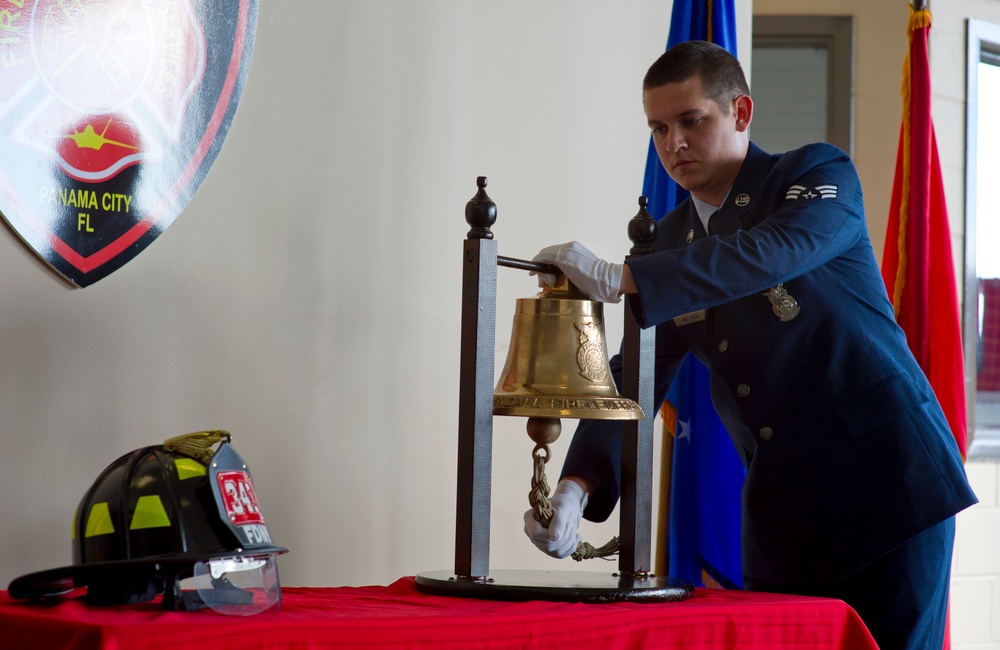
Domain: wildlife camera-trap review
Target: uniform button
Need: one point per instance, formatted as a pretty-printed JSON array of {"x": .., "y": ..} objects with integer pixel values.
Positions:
[
  {"x": 743, "y": 390},
  {"x": 765, "y": 433},
  {"x": 723, "y": 345}
]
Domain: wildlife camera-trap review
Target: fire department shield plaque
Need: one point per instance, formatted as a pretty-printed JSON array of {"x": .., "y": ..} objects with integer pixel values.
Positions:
[{"x": 111, "y": 114}]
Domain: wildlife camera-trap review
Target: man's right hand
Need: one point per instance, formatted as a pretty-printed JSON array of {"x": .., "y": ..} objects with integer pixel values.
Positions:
[
  {"x": 561, "y": 538},
  {"x": 597, "y": 278}
]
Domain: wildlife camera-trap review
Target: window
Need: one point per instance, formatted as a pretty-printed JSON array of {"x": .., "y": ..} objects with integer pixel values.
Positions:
[
  {"x": 981, "y": 318},
  {"x": 802, "y": 72}
]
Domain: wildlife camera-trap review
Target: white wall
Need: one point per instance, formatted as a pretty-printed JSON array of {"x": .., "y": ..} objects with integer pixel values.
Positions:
[
  {"x": 975, "y": 571},
  {"x": 308, "y": 298}
]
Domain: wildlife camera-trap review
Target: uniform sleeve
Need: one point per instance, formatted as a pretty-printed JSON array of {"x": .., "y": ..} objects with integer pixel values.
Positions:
[{"x": 808, "y": 211}]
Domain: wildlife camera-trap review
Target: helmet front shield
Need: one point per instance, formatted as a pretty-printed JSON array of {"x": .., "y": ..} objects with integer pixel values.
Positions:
[{"x": 237, "y": 586}]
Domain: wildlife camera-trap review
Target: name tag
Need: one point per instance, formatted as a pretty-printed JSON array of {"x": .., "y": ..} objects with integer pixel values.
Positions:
[{"x": 692, "y": 317}]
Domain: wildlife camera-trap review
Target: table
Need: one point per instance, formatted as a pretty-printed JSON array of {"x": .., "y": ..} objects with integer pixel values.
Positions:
[{"x": 398, "y": 616}]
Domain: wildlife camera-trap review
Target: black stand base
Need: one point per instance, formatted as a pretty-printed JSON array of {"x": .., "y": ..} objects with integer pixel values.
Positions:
[{"x": 563, "y": 586}]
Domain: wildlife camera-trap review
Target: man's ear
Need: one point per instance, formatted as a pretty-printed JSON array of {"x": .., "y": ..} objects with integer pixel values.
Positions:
[{"x": 744, "y": 112}]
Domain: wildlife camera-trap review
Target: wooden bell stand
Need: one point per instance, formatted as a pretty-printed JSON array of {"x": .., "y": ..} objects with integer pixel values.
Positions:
[{"x": 634, "y": 580}]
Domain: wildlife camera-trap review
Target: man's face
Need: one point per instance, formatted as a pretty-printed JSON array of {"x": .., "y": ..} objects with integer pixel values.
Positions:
[{"x": 700, "y": 145}]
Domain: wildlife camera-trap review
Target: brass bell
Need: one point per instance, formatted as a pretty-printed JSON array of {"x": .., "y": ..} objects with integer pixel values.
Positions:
[{"x": 557, "y": 364}]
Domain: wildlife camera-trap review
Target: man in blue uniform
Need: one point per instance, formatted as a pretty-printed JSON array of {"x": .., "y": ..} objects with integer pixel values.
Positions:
[{"x": 767, "y": 275}]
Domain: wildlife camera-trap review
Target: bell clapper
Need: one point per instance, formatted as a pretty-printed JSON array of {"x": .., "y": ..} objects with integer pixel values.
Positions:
[{"x": 543, "y": 431}]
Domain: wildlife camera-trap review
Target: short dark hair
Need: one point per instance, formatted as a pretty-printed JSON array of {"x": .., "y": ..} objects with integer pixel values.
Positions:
[{"x": 720, "y": 72}]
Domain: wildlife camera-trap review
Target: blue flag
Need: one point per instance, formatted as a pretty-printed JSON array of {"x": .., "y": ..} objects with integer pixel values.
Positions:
[{"x": 707, "y": 474}]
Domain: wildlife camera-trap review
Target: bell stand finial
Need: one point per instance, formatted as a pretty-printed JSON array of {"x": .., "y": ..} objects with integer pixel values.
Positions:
[
  {"x": 481, "y": 212},
  {"x": 642, "y": 230}
]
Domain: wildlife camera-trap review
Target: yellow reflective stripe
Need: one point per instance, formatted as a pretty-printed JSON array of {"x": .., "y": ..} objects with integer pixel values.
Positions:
[
  {"x": 149, "y": 513},
  {"x": 189, "y": 468},
  {"x": 99, "y": 520}
]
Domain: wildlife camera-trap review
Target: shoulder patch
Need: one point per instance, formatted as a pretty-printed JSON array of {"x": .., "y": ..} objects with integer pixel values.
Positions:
[{"x": 827, "y": 191}]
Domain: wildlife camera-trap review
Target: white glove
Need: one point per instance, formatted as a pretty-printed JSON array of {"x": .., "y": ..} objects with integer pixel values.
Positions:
[
  {"x": 561, "y": 538},
  {"x": 593, "y": 276}
]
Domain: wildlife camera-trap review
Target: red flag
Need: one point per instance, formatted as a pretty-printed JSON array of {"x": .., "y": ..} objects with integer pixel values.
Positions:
[{"x": 917, "y": 264}]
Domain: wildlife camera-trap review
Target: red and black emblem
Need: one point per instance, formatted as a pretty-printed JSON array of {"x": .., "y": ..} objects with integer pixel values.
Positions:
[{"x": 111, "y": 114}]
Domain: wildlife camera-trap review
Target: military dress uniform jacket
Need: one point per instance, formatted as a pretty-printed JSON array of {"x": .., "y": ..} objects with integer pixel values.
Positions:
[{"x": 848, "y": 453}]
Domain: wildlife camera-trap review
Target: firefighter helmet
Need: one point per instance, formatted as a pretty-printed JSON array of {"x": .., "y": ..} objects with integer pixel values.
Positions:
[{"x": 180, "y": 519}]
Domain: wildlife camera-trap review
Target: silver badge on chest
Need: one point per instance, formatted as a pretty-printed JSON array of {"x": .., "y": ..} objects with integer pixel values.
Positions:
[{"x": 783, "y": 304}]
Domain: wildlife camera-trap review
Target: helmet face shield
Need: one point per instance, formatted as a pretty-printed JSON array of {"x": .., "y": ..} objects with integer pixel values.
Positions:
[{"x": 237, "y": 586}]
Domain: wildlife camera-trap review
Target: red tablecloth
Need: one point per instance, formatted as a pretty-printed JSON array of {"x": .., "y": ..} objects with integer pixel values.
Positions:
[{"x": 398, "y": 616}]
